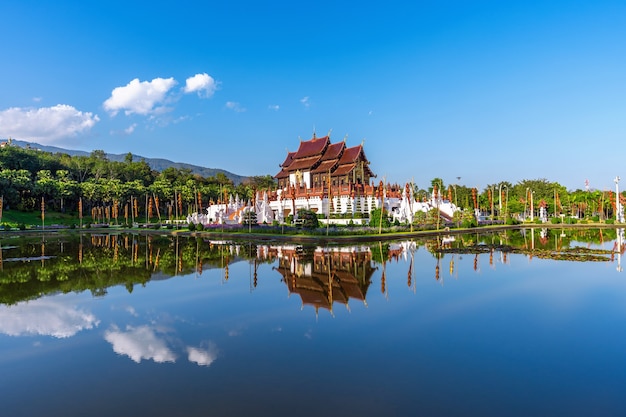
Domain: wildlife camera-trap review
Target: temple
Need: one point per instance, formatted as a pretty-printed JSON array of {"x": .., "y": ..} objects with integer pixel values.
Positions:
[
  {"x": 327, "y": 178},
  {"x": 318, "y": 164},
  {"x": 330, "y": 179}
]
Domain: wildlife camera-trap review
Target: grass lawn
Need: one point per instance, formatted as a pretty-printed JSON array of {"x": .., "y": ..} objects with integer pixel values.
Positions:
[{"x": 14, "y": 218}]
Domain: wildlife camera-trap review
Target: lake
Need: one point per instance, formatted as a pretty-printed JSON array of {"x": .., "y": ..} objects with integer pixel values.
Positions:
[{"x": 519, "y": 323}]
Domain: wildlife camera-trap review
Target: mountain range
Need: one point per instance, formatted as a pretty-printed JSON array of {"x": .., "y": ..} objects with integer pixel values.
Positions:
[{"x": 157, "y": 164}]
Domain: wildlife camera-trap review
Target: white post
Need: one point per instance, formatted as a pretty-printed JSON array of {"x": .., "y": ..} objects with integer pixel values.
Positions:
[{"x": 618, "y": 206}]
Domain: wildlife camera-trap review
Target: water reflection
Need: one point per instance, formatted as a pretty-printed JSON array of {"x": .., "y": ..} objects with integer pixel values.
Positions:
[
  {"x": 143, "y": 342},
  {"x": 324, "y": 276},
  {"x": 517, "y": 314},
  {"x": 45, "y": 317},
  {"x": 320, "y": 276}
]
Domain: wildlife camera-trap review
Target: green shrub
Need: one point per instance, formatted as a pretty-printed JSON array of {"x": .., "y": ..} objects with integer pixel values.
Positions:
[
  {"x": 21, "y": 226},
  {"x": 200, "y": 227},
  {"x": 308, "y": 219},
  {"x": 192, "y": 227},
  {"x": 610, "y": 221},
  {"x": 555, "y": 220},
  {"x": 469, "y": 223}
]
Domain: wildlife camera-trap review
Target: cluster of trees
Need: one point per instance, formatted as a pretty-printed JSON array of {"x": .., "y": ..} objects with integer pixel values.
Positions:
[
  {"x": 27, "y": 176},
  {"x": 504, "y": 199}
]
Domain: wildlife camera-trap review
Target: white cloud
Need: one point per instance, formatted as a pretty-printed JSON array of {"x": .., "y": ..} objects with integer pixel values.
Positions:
[
  {"x": 139, "y": 343},
  {"x": 274, "y": 107},
  {"x": 140, "y": 97},
  {"x": 234, "y": 106},
  {"x": 130, "y": 129},
  {"x": 45, "y": 125},
  {"x": 36, "y": 99},
  {"x": 203, "y": 84},
  {"x": 46, "y": 318},
  {"x": 203, "y": 357},
  {"x": 306, "y": 102}
]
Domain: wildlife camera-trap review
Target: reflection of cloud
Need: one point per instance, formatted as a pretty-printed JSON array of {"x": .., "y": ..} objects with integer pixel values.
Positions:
[
  {"x": 203, "y": 357},
  {"x": 44, "y": 317},
  {"x": 139, "y": 343}
]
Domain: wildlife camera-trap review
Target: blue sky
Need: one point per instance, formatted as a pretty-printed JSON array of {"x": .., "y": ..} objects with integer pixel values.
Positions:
[{"x": 482, "y": 90}]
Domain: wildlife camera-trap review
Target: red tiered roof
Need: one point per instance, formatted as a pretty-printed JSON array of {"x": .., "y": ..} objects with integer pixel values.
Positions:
[
  {"x": 344, "y": 169},
  {"x": 350, "y": 155},
  {"x": 288, "y": 159},
  {"x": 334, "y": 151},
  {"x": 318, "y": 155},
  {"x": 315, "y": 146},
  {"x": 303, "y": 163},
  {"x": 325, "y": 166}
]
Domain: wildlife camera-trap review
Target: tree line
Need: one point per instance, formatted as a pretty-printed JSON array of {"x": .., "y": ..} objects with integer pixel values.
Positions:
[{"x": 68, "y": 183}]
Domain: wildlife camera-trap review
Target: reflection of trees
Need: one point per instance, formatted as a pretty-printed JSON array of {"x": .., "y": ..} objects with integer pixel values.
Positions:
[
  {"x": 555, "y": 244},
  {"x": 31, "y": 269}
]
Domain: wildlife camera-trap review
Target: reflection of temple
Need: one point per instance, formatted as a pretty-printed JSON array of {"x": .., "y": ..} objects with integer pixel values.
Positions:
[{"x": 323, "y": 276}]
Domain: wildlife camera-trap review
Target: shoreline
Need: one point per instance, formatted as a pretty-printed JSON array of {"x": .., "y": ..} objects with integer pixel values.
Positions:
[{"x": 309, "y": 238}]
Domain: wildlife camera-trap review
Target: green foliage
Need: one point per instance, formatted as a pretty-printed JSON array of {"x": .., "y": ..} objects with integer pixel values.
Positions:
[
  {"x": 191, "y": 226},
  {"x": 379, "y": 252},
  {"x": 308, "y": 219},
  {"x": 375, "y": 218},
  {"x": 469, "y": 223},
  {"x": 249, "y": 218},
  {"x": 199, "y": 227}
]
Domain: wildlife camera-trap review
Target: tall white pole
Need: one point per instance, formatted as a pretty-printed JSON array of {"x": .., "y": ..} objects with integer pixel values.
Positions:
[{"x": 618, "y": 208}]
